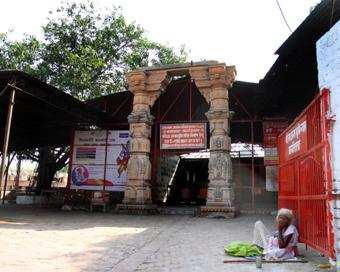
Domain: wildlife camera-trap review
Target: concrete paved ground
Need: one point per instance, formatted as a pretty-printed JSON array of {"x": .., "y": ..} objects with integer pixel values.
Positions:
[{"x": 48, "y": 239}]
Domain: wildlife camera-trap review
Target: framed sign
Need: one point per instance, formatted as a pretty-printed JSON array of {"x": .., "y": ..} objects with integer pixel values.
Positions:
[
  {"x": 100, "y": 160},
  {"x": 271, "y": 131},
  {"x": 183, "y": 136}
]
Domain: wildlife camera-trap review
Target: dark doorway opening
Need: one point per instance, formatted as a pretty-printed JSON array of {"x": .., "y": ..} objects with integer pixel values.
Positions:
[{"x": 193, "y": 175}]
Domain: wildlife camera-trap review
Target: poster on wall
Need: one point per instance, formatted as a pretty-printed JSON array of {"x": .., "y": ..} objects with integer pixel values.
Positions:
[
  {"x": 183, "y": 136},
  {"x": 100, "y": 160},
  {"x": 272, "y": 176},
  {"x": 271, "y": 130}
]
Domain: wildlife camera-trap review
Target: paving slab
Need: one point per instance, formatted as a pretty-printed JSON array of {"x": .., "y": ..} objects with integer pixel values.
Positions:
[{"x": 49, "y": 239}]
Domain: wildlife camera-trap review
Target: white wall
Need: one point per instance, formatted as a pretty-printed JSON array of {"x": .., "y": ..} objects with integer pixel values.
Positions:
[{"x": 328, "y": 57}]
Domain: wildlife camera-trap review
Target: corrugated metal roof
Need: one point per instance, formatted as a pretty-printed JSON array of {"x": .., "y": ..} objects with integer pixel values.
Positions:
[
  {"x": 320, "y": 20},
  {"x": 292, "y": 82},
  {"x": 42, "y": 114}
]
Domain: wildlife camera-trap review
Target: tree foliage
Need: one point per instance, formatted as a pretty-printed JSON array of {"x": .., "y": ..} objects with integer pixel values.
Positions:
[
  {"x": 19, "y": 55},
  {"x": 87, "y": 54},
  {"x": 314, "y": 6}
]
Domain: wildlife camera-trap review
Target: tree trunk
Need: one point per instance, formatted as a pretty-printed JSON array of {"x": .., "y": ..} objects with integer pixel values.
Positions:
[
  {"x": 17, "y": 178},
  {"x": 49, "y": 164}
]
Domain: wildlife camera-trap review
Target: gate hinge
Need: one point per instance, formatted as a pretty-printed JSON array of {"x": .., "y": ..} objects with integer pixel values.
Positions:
[{"x": 331, "y": 119}]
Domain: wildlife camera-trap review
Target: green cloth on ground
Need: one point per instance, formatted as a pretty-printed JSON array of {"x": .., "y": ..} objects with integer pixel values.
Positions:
[{"x": 242, "y": 249}]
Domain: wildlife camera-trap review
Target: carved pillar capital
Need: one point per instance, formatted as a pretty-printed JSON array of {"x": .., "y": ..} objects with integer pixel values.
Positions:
[
  {"x": 137, "y": 81},
  {"x": 147, "y": 87},
  {"x": 222, "y": 76},
  {"x": 157, "y": 81},
  {"x": 213, "y": 82}
]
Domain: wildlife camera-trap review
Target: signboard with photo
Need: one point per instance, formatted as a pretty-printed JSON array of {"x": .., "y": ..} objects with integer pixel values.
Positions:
[{"x": 100, "y": 160}]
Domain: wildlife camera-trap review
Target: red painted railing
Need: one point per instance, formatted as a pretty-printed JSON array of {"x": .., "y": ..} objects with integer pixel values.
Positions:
[{"x": 305, "y": 180}]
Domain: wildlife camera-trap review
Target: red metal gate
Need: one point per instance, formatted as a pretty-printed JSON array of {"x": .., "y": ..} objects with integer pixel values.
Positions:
[{"x": 305, "y": 181}]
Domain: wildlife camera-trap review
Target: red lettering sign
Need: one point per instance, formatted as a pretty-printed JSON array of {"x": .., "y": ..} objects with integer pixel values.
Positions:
[{"x": 271, "y": 131}]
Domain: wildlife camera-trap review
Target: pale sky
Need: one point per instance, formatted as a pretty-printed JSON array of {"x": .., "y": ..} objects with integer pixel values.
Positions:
[{"x": 242, "y": 33}]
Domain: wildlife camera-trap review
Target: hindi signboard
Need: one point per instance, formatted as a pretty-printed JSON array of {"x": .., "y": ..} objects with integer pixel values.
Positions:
[
  {"x": 296, "y": 139},
  {"x": 183, "y": 136},
  {"x": 100, "y": 160},
  {"x": 271, "y": 131}
]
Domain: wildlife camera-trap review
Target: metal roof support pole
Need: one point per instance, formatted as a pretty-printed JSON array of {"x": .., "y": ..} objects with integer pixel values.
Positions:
[
  {"x": 18, "y": 176},
  {"x": 68, "y": 187},
  {"x": 190, "y": 116},
  {"x": 105, "y": 162},
  {"x": 252, "y": 166},
  {"x": 6, "y": 138}
]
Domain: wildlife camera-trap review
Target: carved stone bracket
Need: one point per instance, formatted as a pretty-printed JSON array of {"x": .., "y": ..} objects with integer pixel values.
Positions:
[
  {"x": 202, "y": 81},
  {"x": 147, "y": 87},
  {"x": 156, "y": 85},
  {"x": 157, "y": 81},
  {"x": 213, "y": 81}
]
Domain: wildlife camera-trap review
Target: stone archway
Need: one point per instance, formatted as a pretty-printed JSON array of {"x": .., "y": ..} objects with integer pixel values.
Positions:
[{"x": 213, "y": 79}]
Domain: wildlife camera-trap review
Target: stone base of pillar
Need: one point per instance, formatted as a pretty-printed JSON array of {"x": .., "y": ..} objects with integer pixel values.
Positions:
[
  {"x": 137, "y": 194},
  {"x": 219, "y": 211},
  {"x": 138, "y": 201},
  {"x": 137, "y": 209}
]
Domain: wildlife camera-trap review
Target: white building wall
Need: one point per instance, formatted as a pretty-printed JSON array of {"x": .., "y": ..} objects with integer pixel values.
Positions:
[{"x": 328, "y": 57}]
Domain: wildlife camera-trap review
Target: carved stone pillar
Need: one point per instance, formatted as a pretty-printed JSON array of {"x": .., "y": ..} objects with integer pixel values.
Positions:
[
  {"x": 214, "y": 82},
  {"x": 146, "y": 87}
]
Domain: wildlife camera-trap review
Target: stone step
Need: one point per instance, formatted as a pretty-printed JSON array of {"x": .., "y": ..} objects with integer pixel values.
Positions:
[{"x": 179, "y": 210}]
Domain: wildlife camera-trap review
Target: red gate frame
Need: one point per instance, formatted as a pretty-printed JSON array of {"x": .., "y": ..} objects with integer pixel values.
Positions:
[{"x": 305, "y": 181}]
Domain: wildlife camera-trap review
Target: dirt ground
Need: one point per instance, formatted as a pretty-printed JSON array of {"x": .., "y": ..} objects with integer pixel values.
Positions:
[{"x": 49, "y": 239}]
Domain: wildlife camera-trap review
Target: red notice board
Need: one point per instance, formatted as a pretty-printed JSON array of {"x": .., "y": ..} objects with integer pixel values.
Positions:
[{"x": 183, "y": 136}]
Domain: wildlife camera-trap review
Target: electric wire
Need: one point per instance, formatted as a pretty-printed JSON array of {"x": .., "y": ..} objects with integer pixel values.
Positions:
[{"x": 277, "y": 1}]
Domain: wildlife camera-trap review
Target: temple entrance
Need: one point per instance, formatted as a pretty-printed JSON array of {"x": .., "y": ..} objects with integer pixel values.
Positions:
[
  {"x": 189, "y": 183},
  {"x": 178, "y": 171},
  {"x": 183, "y": 102}
]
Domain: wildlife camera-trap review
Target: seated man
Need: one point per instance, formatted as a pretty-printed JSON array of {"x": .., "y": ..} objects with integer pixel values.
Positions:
[
  {"x": 186, "y": 195},
  {"x": 203, "y": 193}
]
